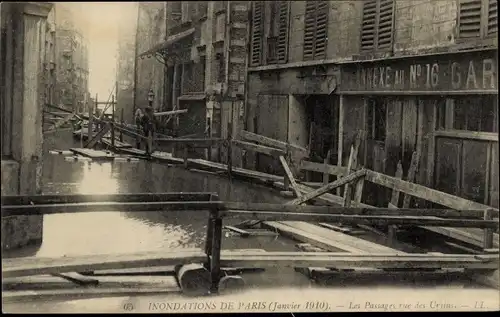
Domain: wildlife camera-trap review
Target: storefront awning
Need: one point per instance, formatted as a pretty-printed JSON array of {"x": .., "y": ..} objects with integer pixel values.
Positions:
[{"x": 171, "y": 40}]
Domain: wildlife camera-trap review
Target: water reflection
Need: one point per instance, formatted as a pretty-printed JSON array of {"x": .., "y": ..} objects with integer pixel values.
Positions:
[{"x": 121, "y": 232}]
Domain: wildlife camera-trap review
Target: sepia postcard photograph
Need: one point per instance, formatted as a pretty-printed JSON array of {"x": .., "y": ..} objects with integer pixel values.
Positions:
[{"x": 249, "y": 156}]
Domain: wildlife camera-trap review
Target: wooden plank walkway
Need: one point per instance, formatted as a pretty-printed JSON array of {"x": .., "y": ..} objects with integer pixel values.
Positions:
[
  {"x": 93, "y": 154},
  {"x": 26, "y": 266},
  {"x": 118, "y": 144}
]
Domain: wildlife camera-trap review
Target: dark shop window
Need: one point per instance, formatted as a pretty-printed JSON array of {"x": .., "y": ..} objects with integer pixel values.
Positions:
[
  {"x": 377, "y": 114},
  {"x": 476, "y": 114},
  {"x": 221, "y": 67}
]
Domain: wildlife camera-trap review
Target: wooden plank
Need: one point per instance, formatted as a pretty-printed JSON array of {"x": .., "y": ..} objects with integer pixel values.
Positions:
[
  {"x": 61, "y": 122},
  {"x": 314, "y": 239},
  {"x": 323, "y": 168},
  {"x": 26, "y": 266},
  {"x": 326, "y": 177},
  {"x": 423, "y": 192},
  {"x": 370, "y": 211},
  {"x": 356, "y": 219},
  {"x": 242, "y": 232},
  {"x": 170, "y": 113},
  {"x": 191, "y": 142},
  {"x": 488, "y": 233},
  {"x": 335, "y": 228},
  {"x": 93, "y": 141},
  {"x": 290, "y": 177},
  {"x": 352, "y": 164},
  {"x": 327, "y": 259},
  {"x": 50, "y": 209},
  {"x": 327, "y": 188},
  {"x": 250, "y": 136},
  {"x": 93, "y": 154},
  {"x": 415, "y": 158},
  {"x": 471, "y": 135},
  {"x": 259, "y": 148},
  {"x": 394, "y": 203},
  {"x": 340, "y": 137}
]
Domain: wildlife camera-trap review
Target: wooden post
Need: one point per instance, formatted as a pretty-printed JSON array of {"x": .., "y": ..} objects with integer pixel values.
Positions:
[
  {"x": 229, "y": 151},
  {"x": 326, "y": 176},
  {"x": 340, "y": 137},
  {"x": 185, "y": 155},
  {"x": 215, "y": 269},
  {"x": 286, "y": 180},
  {"x": 352, "y": 165},
  {"x": 411, "y": 176},
  {"x": 113, "y": 121},
  {"x": 90, "y": 126},
  {"x": 488, "y": 232},
  {"x": 392, "y": 229},
  {"x": 121, "y": 120}
]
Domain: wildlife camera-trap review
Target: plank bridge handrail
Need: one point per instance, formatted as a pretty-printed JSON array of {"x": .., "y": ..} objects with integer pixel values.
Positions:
[{"x": 149, "y": 202}]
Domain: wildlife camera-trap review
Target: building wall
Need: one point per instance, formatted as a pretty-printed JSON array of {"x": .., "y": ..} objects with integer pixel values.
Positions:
[
  {"x": 416, "y": 27},
  {"x": 71, "y": 57},
  {"x": 150, "y": 72},
  {"x": 126, "y": 63},
  {"x": 22, "y": 98}
]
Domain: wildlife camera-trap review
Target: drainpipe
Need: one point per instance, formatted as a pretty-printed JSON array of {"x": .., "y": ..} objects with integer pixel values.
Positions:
[{"x": 135, "y": 58}]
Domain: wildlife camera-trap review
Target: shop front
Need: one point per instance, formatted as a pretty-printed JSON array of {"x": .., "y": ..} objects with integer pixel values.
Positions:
[{"x": 443, "y": 107}]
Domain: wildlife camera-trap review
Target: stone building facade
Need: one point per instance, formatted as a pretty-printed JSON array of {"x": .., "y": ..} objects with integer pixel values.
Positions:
[
  {"x": 205, "y": 54},
  {"x": 22, "y": 95},
  {"x": 416, "y": 76},
  {"x": 72, "y": 63}
]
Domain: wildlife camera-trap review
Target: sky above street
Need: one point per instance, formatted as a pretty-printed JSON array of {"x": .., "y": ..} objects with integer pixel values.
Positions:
[{"x": 103, "y": 19}]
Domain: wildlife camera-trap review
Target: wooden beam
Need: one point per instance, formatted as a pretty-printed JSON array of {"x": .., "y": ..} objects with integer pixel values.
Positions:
[
  {"x": 352, "y": 165},
  {"x": 259, "y": 148},
  {"x": 170, "y": 113},
  {"x": 415, "y": 158},
  {"x": 340, "y": 138},
  {"x": 200, "y": 143},
  {"x": 50, "y": 209},
  {"x": 470, "y": 135},
  {"x": 394, "y": 203},
  {"x": 423, "y": 192},
  {"x": 326, "y": 178},
  {"x": 93, "y": 140},
  {"x": 61, "y": 123},
  {"x": 25, "y": 266},
  {"x": 94, "y": 198},
  {"x": 373, "y": 211},
  {"x": 323, "y": 168},
  {"x": 250, "y": 136},
  {"x": 290, "y": 177},
  {"x": 356, "y": 219},
  {"x": 327, "y": 188},
  {"x": 241, "y": 232}
]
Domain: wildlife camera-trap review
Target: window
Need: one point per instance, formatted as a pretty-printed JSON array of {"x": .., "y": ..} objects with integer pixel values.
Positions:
[
  {"x": 219, "y": 6},
  {"x": 186, "y": 12},
  {"x": 220, "y": 27},
  {"x": 221, "y": 67},
  {"x": 471, "y": 113},
  {"x": 257, "y": 33},
  {"x": 315, "y": 30},
  {"x": 277, "y": 42},
  {"x": 377, "y": 114},
  {"x": 477, "y": 18},
  {"x": 377, "y": 24}
]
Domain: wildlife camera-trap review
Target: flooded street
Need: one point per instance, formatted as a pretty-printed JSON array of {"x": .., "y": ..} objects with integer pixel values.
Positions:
[{"x": 123, "y": 232}]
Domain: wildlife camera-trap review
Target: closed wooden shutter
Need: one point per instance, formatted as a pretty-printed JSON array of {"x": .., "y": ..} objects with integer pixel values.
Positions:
[
  {"x": 284, "y": 23},
  {"x": 470, "y": 18},
  {"x": 368, "y": 26},
  {"x": 315, "y": 30},
  {"x": 492, "y": 17},
  {"x": 384, "y": 27},
  {"x": 257, "y": 33}
]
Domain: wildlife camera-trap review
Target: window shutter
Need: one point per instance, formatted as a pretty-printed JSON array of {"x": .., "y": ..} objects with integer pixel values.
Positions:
[
  {"x": 315, "y": 30},
  {"x": 284, "y": 23},
  {"x": 368, "y": 26},
  {"x": 321, "y": 30},
  {"x": 309, "y": 29},
  {"x": 492, "y": 17},
  {"x": 257, "y": 33},
  {"x": 470, "y": 18},
  {"x": 384, "y": 28}
]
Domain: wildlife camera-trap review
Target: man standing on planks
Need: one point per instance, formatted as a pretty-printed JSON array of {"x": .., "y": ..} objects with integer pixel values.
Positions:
[
  {"x": 138, "y": 124},
  {"x": 148, "y": 125}
]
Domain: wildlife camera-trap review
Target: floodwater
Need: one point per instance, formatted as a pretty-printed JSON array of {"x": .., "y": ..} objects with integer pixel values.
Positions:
[
  {"x": 123, "y": 232},
  {"x": 278, "y": 289}
]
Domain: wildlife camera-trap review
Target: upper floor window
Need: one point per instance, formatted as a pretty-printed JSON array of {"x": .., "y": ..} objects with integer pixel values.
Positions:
[
  {"x": 377, "y": 24},
  {"x": 477, "y": 18},
  {"x": 471, "y": 113},
  {"x": 277, "y": 42},
  {"x": 315, "y": 30},
  {"x": 257, "y": 33}
]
